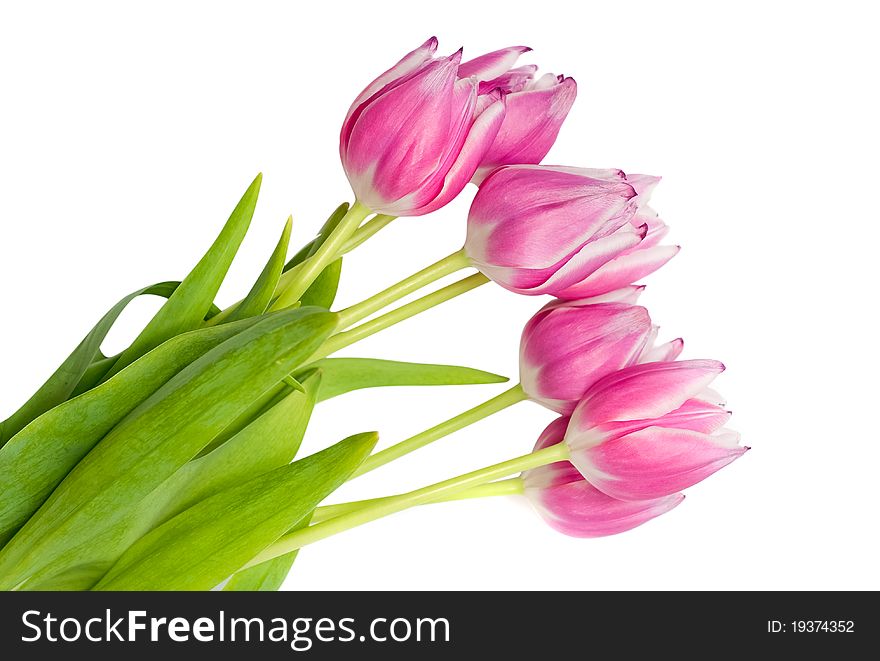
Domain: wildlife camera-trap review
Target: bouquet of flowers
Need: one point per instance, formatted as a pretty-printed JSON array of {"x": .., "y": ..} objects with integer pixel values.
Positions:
[{"x": 172, "y": 465}]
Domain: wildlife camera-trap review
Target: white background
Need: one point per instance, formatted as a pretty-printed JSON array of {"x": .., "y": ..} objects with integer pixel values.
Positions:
[{"x": 129, "y": 130}]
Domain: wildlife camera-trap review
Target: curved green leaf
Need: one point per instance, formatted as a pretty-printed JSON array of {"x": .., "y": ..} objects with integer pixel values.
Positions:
[
  {"x": 267, "y": 576},
  {"x": 188, "y": 305},
  {"x": 162, "y": 434},
  {"x": 269, "y": 442},
  {"x": 260, "y": 295},
  {"x": 312, "y": 246},
  {"x": 322, "y": 292},
  {"x": 205, "y": 544},
  {"x": 59, "y": 387},
  {"x": 342, "y": 375},
  {"x": 35, "y": 461}
]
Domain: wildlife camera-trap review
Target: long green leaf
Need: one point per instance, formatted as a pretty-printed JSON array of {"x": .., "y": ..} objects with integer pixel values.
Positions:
[
  {"x": 267, "y": 576},
  {"x": 312, "y": 246},
  {"x": 261, "y": 293},
  {"x": 35, "y": 461},
  {"x": 59, "y": 387},
  {"x": 322, "y": 292},
  {"x": 269, "y": 442},
  {"x": 205, "y": 544},
  {"x": 186, "y": 308},
  {"x": 162, "y": 434},
  {"x": 342, "y": 375}
]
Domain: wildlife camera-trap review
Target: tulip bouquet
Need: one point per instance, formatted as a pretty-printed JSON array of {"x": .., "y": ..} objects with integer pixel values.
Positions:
[{"x": 172, "y": 465}]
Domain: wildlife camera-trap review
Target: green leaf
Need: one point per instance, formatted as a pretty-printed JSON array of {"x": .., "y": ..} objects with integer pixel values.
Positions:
[
  {"x": 269, "y": 442},
  {"x": 189, "y": 304},
  {"x": 322, "y": 292},
  {"x": 59, "y": 387},
  {"x": 35, "y": 461},
  {"x": 260, "y": 295},
  {"x": 267, "y": 576},
  {"x": 342, "y": 375},
  {"x": 205, "y": 544},
  {"x": 312, "y": 246},
  {"x": 162, "y": 434}
]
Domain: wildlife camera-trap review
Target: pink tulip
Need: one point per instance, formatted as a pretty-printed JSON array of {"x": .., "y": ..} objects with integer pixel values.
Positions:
[
  {"x": 569, "y": 345},
  {"x": 415, "y": 136},
  {"x": 545, "y": 229},
  {"x": 631, "y": 265},
  {"x": 536, "y": 109},
  {"x": 575, "y": 507},
  {"x": 650, "y": 430}
]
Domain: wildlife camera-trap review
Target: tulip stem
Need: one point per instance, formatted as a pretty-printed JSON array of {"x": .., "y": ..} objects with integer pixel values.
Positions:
[
  {"x": 446, "y": 266},
  {"x": 346, "y": 338},
  {"x": 365, "y": 231},
  {"x": 387, "y": 506},
  {"x": 310, "y": 269},
  {"x": 509, "y": 487},
  {"x": 498, "y": 403}
]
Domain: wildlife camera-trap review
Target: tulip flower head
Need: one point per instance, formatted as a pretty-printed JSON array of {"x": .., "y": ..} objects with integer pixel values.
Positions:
[
  {"x": 537, "y": 229},
  {"x": 573, "y": 506},
  {"x": 569, "y": 345},
  {"x": 651, "y": 430},
  {"x": 536, "y": 108}
]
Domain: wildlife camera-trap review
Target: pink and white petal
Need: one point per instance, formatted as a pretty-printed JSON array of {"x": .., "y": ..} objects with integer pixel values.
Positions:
[
  {"x": 644, "y": 391},
  {"x": 629, "y": 294},
  {"x": 463, "y": 103},
  {"x": 514, "y": 80},
  {"x": 479, "y": 138},
  {"x": 407, "y": 64},
  {"x": 711, "y": 396},
  {"x": 654, "y": 462},
  {"x": 560, "y": 472},
  {"x": 662, "y": 352},
  {"x": 531, "y": 126},
  {"x": 621, "y": 271},
  {"x": 644, "y": 185},
  {"x": 560, "y": 363},
  {"x": 579, "y": 509},
  {"x": 492, "y": 65},
  {"x": 554, "y": 233},
  {"x": 397, "y": 74},
  {"x": 694, "y": 415},
  {"x": 587, "y": 260},
  {"x": 421, "y": 107}
]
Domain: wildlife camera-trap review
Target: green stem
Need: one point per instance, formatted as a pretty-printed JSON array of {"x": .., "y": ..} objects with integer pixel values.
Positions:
[
  {"x": 499, "y": 403},
  {"x": 346, "y": 338},
  {"x": 329, "y": 251},
  {"x": 366, "y": 231},
  {"x": 319, "y": 531},
  {"x": 450, "y": 264},
  {"x": 509, "y": 487}
]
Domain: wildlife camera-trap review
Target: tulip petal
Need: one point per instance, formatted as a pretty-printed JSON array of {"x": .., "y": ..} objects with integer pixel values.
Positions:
[
  {"x": 620, "y": 271},
  {"x": 385, "y": 166},
  {"x": 579, "y": 509},
  {"x": 694, "y": 414},
  {"x": 654, "y": 462},
  {"x": 565, "y": 350},
  {"x": 532, "y": 124},
  {"x": 591, "y": 257},
  {"x": 407, "y": 64},
  {"x": 663, "y": 352},
  {"x": 492, "y": 65},
  {"x": 560, "y": 472},
  {"x": 539, "y": 217},
  {"x": 478, "y": 140},
  {"x": 644, "y": 391}
]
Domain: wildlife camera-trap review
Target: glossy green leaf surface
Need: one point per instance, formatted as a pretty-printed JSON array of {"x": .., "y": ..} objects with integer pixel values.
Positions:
[{"x": 205, "y": 544}]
